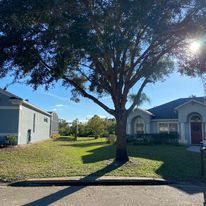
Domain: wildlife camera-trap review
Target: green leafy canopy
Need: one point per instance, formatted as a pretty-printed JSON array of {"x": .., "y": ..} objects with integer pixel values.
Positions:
[{"x": 99, "y": 47}]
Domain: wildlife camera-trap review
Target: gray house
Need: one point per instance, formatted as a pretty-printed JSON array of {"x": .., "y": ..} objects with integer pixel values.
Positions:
[
  {"x": 21, "y": 119},
  {"x": 187, "y": 116}
]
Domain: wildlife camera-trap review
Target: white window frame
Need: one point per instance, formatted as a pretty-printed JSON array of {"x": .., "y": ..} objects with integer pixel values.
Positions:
[
  {"x": 136, "y": 123},
  {"x": 168, "y": 126}
]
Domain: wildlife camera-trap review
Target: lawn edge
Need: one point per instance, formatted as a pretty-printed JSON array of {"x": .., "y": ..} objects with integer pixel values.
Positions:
[{"x": 86, "y": 181}]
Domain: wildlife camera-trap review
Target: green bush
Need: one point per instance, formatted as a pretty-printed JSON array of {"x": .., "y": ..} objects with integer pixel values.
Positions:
[
  {"x": 111, "y": 139},
  {"x": 11, "y": 140},
  {"x": 55, "y": 136},
  {"x": 160, "y": 138}
]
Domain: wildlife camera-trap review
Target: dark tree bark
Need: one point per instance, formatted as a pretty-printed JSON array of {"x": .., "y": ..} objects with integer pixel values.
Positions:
[{"x": 121, "y": 143}]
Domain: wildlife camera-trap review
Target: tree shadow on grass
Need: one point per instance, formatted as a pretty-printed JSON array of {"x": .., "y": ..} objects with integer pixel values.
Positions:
[
  {"x": 73, "y": 139},
  {"x": 88, "y": 144},
  {"x": 52, "y": 198},
  {"x": 174, "y": 162},
  {"x": 105, "y": 152}
]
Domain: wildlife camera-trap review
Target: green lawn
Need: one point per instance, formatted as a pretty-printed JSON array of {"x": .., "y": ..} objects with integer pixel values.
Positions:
[{"x": 93, "y": 157}]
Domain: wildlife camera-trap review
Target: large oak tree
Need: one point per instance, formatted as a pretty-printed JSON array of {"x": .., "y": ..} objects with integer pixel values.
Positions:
[{"x": 99, "y": 47}]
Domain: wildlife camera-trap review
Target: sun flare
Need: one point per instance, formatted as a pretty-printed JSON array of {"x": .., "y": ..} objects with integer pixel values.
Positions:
[{"x": 194, "y": 47}]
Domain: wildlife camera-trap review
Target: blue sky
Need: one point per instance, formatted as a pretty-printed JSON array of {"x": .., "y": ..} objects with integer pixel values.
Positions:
[{"x": 58, "y": 99}]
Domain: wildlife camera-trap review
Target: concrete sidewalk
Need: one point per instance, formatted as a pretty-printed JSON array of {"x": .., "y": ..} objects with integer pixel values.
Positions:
[{"x": 194, "y": 149}]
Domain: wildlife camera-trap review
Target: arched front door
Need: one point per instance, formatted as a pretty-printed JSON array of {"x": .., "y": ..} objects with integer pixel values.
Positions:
[{"x": 196, "y": 129}]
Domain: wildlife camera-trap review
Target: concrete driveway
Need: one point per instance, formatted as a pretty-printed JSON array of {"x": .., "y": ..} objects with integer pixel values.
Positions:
[
  {"x": 103, "y": 195},
  {"x": 194, "y": 149}
]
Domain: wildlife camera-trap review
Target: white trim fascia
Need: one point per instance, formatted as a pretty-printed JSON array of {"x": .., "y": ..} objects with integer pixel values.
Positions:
[
  {"x": 164, "y": 120},
  {"x": 27, "y": 104},
  {"x": 16, "y": 101},
  {"x": 195, "y": 101},
  {"x": 9, "y": 107},
  {"x": 19, "y": 123},
  {"x": 145, "y": 111}
]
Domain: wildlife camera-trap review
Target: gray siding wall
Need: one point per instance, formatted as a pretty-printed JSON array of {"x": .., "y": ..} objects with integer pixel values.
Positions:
[
  {"x": 26, "y": 122},
  {"x": 8, "y": 122},
  {"x": 154, "y": 127},
  {"x": 9, "y": 116}
]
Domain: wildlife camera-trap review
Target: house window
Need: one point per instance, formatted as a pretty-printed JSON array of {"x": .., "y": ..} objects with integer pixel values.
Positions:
[
  {"x": 139, "y": 126},
  {"x": 46, "y": 119},
  {"x": 173, "y": 127},
  {"x": 34, "y": 122},
  {"x": 195, "y": 118},
  {"x": 168, "y": 127},
  {"x": 163, "y": 127}
]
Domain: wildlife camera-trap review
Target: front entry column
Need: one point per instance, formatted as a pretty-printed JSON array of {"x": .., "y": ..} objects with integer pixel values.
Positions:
[
  {"x": 129, "y": 129},
  {"x": 204, "y": 130},
  {"x": 147, "y": 129},
  {"x": 182, "y": 133}
]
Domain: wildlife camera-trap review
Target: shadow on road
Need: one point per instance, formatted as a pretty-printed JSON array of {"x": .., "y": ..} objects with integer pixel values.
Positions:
[{"x": 72, "y": 189}]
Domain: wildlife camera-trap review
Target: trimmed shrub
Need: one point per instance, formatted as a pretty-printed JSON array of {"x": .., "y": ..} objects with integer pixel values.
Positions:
[
  {"x": 11, "y": 140},
  {"x": 160, "y": 138}
]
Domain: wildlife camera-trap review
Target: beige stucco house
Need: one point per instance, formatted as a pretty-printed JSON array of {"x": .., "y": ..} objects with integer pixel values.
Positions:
[{"x": 186, "y": 116}]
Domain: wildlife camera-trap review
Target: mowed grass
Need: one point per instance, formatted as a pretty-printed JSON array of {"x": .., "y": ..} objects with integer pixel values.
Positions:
[{"x": 87, "y": 156}]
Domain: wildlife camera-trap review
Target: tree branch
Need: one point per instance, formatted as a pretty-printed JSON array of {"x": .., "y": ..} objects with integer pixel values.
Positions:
[{"x": 85, "y": 94}]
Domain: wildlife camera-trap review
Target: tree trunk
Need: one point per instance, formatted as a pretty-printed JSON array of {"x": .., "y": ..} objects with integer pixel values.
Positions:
[{"x": 121, "y": 143}]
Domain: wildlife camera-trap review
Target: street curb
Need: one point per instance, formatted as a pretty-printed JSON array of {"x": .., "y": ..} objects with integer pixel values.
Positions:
[
  {"x": 4, "y": 184},
  {"x": 91, "y": 181}
]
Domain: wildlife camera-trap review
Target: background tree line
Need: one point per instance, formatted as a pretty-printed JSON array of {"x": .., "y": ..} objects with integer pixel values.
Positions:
[{"x": 95, "y": 127}]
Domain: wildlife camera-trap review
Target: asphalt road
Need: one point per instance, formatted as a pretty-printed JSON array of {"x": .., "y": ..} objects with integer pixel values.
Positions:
[{"x": 103, "y": 195}]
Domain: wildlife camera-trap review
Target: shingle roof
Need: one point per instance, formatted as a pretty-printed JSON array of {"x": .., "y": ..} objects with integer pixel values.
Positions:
[
  {"x": 167, "y": 111},
  {"x": 13, "y": 97}
]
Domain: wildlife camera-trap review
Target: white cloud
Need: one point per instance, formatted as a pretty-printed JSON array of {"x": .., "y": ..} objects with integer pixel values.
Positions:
[
  {"x": 102, "y": 116},
  {"x": 60, "y": 105},
  {"x": 56, "y": 96}
]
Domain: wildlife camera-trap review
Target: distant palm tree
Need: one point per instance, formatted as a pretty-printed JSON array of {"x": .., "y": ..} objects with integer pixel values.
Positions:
[{"x": 143, "y": 98}]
